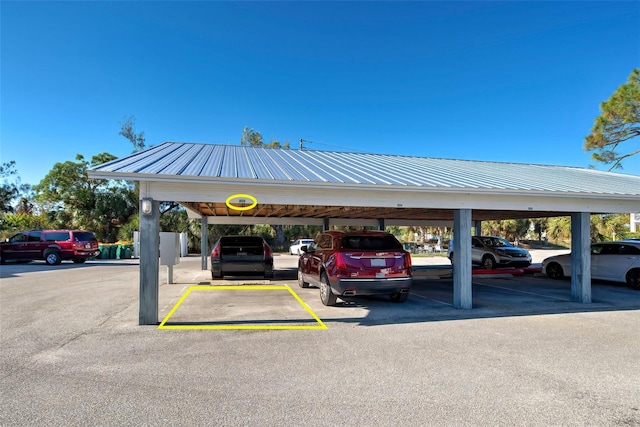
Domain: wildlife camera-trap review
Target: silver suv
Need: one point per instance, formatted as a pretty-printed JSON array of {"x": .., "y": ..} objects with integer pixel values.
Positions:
[{"x": 490, "y": 252}]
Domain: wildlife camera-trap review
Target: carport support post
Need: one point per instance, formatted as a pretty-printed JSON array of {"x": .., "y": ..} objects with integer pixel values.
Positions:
[
  {"x": 477, "y": 228},
  {"x": 204, "y": 241},
  {"x": 581, "y": 257},
  {"x": 462, "y": 290},
  {"x": 381, "y": 224},
  {"x": 149, "y": 261}
]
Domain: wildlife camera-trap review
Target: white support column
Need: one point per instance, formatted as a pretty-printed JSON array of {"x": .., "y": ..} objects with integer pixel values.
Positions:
[
  {"x": 581, "y": 257},
  {"x": 149, "y": 262},
  {"x": 462, "y": 282},
  {"x": 204, "y": 241}
]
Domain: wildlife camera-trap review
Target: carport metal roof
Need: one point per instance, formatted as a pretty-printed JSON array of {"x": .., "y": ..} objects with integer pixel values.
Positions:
[
  {"x": 321, "y": 187},
  {"x": 313, "y": 185}
]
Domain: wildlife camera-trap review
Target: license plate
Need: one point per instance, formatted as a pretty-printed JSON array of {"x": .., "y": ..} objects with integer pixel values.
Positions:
[
  {"x": 242, "y": 254},
  {"x": 378, "y": 262},
  {"x": 88, "y": 246}
]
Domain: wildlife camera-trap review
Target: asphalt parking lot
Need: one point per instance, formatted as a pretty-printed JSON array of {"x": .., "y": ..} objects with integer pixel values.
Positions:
[{"x": 74, "y": 354}]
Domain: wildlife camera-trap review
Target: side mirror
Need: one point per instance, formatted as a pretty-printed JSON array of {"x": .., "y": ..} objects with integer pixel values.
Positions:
[{"x": 304, "y": 248}]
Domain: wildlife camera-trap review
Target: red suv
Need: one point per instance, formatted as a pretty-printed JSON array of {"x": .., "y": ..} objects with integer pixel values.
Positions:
[
  {"x": 356, "y": 263},
  {"x": 53, "y": 246}
]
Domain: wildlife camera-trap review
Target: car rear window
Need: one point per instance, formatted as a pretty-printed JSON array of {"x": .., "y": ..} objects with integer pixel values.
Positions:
[
  {"x": 57, "y": 236},
  {"x": 373, "y": 243},
  {"x": 241, "y": 241},
  {"x": 84, "y": 236}
]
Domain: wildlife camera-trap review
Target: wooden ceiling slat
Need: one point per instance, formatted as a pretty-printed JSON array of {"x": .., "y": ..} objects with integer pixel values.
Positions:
[{"x": 358, "y": 212}]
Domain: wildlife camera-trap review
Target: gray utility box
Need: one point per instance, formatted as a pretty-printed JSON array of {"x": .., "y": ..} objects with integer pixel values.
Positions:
[{"x": 169, "y": 248}]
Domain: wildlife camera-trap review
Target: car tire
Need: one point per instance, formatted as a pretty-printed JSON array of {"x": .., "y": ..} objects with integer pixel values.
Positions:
[
  {"x": 554, "y": 270},
  {"x": 399, "y": 297},
  {"x": 215, "y": 276},
  {"x": 488, "y": 263},
  {"x": 326, "y": 295},
  {"x": 301, "y": 281},
  {"x": 79, "y": 260},
  {"x": 633, "y": 279},
  {"x": 52, "y": 257}
]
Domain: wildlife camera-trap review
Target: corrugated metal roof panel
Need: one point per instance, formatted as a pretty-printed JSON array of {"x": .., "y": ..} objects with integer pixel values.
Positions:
[{"x": 206, "y": 161}]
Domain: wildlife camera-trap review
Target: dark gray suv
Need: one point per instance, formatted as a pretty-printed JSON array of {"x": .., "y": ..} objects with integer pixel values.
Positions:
[{"x": 241, "y": 255}]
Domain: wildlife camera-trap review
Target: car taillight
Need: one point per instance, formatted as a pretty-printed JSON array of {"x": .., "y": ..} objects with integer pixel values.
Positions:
[
  {"x": 268, "y": 253},
  {"x": 340, "y": 264},
  {"x": 407, "y": 260},
  {"x": 215, "y": 252}
]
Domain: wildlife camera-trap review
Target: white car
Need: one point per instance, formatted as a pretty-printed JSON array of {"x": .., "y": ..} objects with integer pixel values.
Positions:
[
  {"x": 613, "y": 261},
  {"x": 295, "y": 246}
]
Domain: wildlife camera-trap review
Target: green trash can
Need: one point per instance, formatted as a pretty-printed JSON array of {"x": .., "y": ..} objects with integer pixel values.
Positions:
[
  {"x": 119, "y": 252},
  {"x": 104, "y": 252},
  {"x": 128, "y": 251},
  {"x": 113, "y": 249}
]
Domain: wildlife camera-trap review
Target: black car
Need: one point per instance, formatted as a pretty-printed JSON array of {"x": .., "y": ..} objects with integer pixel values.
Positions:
[{"x": 241, "y": 255}]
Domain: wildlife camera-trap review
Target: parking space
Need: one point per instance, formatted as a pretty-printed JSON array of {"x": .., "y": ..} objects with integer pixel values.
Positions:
[{"x": 431, "y": 299}]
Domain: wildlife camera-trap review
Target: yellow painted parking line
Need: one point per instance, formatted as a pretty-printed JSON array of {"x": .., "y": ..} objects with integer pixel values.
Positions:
[{"x": 320, "y": 324}]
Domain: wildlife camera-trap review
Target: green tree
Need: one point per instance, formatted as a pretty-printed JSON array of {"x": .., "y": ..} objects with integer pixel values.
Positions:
[
  {"x": 254, "y": 139},
  {"x": 127, "y": 130},
  {"x": 73, "y": 200},
  {"x": 618, "y": 122},
  {"x": 11, "y": 188}
]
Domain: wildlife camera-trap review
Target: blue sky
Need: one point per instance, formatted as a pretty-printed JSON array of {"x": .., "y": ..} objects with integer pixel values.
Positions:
[{"x": 498, "y": 81}]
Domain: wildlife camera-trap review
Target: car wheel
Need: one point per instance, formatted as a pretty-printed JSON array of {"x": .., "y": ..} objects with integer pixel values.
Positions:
[
  {"x": 79, "y": 260},
  {"x": 633, "y": 279},
  {"x": 326, "y": 296},
  {"x": 52, "y": 258},
  {"x": 215, "y": 276},
  {"x": 554, "y": 270},
  {"x": 301, "y": 281},
  {"x": 488, "y": 262},
  {"x": 399, "y": 297}
]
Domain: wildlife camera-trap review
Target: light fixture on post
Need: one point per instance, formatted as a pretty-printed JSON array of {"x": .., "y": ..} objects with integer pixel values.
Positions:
[{"x": 147, "y": 206}]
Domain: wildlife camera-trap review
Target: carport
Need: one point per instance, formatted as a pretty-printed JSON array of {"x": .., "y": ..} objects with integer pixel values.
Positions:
[{"x": 283, "y": 186}]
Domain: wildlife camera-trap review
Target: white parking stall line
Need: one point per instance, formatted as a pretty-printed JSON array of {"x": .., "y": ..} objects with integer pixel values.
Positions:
[
  {"x": 522, "y": 292},
  {"x": 430, "y": 299}
]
